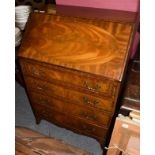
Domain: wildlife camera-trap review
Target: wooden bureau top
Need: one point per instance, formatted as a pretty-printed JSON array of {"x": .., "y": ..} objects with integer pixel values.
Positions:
[{"x": 93, "y": 46}]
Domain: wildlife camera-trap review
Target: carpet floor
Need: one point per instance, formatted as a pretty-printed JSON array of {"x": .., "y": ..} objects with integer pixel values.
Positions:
[{"x": 25, "y": 118}]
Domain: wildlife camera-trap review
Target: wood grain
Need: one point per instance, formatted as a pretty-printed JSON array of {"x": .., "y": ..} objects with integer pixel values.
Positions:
[
  {"x": 100, "y": 118},
  {"x": 126, "y": 135},
  {"x": 63, "y": 76},
  {"x": 92, "y": 46},
  {"x": 29, "y": 142},
  {"x": 73, "y": 69},
  {"x": 76, "y": 97},
  {"x": 74, "y": 123}
]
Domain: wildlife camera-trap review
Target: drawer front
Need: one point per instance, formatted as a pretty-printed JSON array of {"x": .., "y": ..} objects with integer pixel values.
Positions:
[
  {"x": 47, "y": 101},
  {"x": 71, "y": 95},
  {"x": 92, "y": 115},
  {"x": 72, "y": 123},
  {"x": 78, "y": 79}
]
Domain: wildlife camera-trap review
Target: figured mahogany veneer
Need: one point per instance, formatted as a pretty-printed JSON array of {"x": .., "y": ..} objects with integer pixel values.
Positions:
[
  {"x": 72, "y": 95},
  {"x": 74, "y": 123},
  {"x": 73, "y": 69},
  {"x": 51, "y": 73},
  {"x": 91, "y": 46},
  {"x": 98, "y": 117}
]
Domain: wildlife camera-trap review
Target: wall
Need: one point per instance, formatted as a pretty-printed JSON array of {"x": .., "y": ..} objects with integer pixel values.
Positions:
[{"x": 125, "y": 5}]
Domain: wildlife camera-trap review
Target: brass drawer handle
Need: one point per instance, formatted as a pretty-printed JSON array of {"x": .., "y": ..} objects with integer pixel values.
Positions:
[
  {"x": 37, "y": 72},
  {"x": 84, "y": 127},
  {"x": 87, "y": 116},
  {"x": 95, "y": 88},
  {"x": 39, "y": 88},
  {"x": 43, "y": 87},
  {"x": 87, "y": 101}
]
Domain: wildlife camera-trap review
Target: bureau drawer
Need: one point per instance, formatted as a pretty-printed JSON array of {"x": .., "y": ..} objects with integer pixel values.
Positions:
[
  {"x": 92, "y": 115},
  {"x": 71, "y": 95},
  {"x": 70, "y": 122},
  {"x": 47, "y": 101},
  {"x": 65, "y": 76}
]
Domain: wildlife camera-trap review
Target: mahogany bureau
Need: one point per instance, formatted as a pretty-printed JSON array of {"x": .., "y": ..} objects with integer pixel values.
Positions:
[{"x": 73, "y": 69}]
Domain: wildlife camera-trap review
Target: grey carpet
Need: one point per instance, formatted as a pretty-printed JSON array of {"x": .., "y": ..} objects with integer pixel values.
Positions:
[{"x": 25, "y": 118}]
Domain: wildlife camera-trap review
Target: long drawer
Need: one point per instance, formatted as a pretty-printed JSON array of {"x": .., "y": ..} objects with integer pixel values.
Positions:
[
  {"x": 71, "y": 95},
  {"x": 79, "y": 79},
  {"x": 67, "y": 121},
  {"x": 89, "y": 114},
  {"x": 93, "y": 115}
]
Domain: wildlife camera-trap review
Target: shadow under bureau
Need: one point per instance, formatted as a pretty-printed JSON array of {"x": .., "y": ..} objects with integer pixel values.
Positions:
[{"x": 73, "y": 69}]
